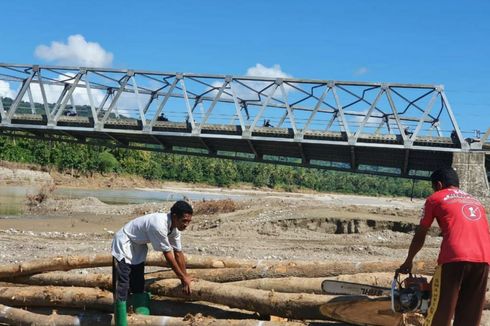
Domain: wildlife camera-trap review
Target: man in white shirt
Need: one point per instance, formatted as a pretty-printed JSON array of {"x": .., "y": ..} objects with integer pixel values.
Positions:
[{"x": 129, "y": 249}]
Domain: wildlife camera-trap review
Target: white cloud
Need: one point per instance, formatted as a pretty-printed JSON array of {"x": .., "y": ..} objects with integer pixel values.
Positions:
[
  {"x": 53, "y": 92},
  {"x": 361, "y": 71},
  {"x": 5, "y": 90},
  {"x": 260, "y": 70},
  {"x": 77, "y": 51}
]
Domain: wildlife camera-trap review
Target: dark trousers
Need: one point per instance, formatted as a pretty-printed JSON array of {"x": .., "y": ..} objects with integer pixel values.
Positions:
[
  {"x": 127, "y": 279},
  {"x": 458, "y": 289}
]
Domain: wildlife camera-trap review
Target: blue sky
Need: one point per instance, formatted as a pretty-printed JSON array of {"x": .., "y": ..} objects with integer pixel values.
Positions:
[{"x": 441, "y": 42}]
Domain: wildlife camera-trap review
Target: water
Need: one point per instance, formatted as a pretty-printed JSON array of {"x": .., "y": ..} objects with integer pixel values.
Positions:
[
  {"x": 140, "y": 196},
  {"x": 13, "y": 198}
]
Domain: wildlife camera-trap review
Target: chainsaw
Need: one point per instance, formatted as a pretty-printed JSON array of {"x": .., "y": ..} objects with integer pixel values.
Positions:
[{"x": 409, "y": 295}]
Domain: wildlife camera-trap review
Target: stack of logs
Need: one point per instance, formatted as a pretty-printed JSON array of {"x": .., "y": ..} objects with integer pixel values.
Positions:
[{"x": 225, "y": 291}]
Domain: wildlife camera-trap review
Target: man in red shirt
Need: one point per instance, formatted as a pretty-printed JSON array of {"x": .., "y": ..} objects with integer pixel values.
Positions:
[{"x": 460, "y": 279}]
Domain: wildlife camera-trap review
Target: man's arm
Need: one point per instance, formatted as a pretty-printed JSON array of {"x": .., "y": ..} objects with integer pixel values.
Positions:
[
  {"x": 180, "y": 258},
  {"x": 174, "y": 263},
  {"x": 415, "y": 246}
]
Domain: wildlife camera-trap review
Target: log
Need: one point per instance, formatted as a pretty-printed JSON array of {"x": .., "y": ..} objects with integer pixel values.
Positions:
[
  {"x": 313, "y": 285},
  {"x": 61, "y": 263},
  {"x": 296, "y": 269},
  {"x": 50, "y": 296},
  {"x": 85, "y": 298},
  {"x": 14, "y": 316},
  {"x": 64, "y": 263},
  {"x": 271, "y": 268},
  {"x": 235, "y": 275},
  {"x": 94, "y": 280},
  {"x": 18, "y": 316},
  {"x": 285, "y": 284},
  {"x": 295, "y": 306}
]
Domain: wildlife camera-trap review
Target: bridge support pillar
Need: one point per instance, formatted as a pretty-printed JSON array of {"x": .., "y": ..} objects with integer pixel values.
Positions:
[{"x": 472, "y": 174}]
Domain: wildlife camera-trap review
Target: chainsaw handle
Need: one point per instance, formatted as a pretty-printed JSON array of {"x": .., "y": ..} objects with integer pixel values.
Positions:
[
  {"x": 396, "y": 278},
  {"x": 397, "y": 274}
]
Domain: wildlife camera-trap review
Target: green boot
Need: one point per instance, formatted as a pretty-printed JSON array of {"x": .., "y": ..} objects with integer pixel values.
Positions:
[
  {"x": 120, "y": 316},
  {"x": 141, "y": 303}
]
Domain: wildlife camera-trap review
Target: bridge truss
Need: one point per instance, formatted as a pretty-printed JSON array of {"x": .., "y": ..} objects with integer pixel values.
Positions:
[{"x": 384, "y": 128}]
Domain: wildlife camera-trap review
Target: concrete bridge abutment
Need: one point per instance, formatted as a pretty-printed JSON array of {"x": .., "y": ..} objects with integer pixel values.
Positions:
[{"x": 473, "y": 174}]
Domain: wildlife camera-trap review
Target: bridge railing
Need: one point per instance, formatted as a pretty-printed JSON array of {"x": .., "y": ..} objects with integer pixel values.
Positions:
[{"x": 406, "y": 115}]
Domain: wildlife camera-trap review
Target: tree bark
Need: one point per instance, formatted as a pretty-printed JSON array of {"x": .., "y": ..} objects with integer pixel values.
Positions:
[{"x": 18, "y": 316}]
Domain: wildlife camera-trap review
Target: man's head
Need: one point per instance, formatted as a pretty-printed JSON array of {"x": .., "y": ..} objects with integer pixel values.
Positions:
[
  {"x": 444, "y": 178},
  {"x": 181, "y": 213}
]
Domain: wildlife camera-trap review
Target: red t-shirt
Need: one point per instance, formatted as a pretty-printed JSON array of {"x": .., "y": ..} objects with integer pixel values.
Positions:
[{"x": 464, "y": 226}]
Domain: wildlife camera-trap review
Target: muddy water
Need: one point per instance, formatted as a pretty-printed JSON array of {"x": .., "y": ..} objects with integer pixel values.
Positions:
[{"x": 13, "y": 198}]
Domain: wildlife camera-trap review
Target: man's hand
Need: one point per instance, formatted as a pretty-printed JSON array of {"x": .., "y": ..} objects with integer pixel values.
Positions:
[
  {"x": 406, "y": 267},
  {"x": 186, "y": 285}
]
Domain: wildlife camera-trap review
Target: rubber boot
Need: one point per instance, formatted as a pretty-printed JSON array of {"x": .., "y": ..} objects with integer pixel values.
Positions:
[
  {"x": 120, "y": 316},
  {"x": 141, "y": 303}
]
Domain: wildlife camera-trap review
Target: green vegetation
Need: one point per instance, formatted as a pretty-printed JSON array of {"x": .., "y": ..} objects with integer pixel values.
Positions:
[{"x": 86, "y": 160}]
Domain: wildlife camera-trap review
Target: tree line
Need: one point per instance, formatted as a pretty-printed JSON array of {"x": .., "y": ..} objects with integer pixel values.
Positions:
[{"x": 90, "y": 159}]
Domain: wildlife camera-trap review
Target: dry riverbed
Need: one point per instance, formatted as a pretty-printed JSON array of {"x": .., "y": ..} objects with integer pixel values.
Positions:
[{"x": 266, "y": 225}]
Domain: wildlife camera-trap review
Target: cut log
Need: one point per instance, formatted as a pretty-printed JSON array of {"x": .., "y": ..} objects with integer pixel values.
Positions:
[
  {"x": 102, "y": 281},
  {"x": 313, "y": 285},
  {"x": 272, "y": 268},
  {"x": 16, "y": 316},
  {"x": 295, "y": 306},
  {"x": 85, "y": 298},
  {"x": 285, "y": 284},
  {"x": 50, "y": 296},
  {"x": 64, "y": 263},
  {"x": 294, "y": 269},
  {"x": 367, "y": 311},
  {"x": 61, "y": 263}
]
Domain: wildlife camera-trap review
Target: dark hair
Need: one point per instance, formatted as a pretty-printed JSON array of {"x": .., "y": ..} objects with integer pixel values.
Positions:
[
  {"x": 180, "y": 208},
  {"x": 447, "y": 176}
]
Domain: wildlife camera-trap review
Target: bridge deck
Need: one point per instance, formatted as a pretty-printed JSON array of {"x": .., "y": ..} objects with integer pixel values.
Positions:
[
  {"x": 315, "y": 149},
  {"x": 221, "y": 129}
]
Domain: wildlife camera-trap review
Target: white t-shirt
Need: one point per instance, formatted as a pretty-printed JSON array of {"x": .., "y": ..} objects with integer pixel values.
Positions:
[{"x": 130, "y": 242}]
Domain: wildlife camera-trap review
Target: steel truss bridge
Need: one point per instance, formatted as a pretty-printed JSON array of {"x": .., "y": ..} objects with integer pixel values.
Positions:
[{"x": 380, "y": 128}]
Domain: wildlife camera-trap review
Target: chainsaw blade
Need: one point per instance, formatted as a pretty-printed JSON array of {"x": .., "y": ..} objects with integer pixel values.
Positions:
[{"x": 340, "y": 287}]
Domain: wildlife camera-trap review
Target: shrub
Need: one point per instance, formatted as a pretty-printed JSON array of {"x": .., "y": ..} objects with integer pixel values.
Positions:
[{"x": 43, "y": 194}]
